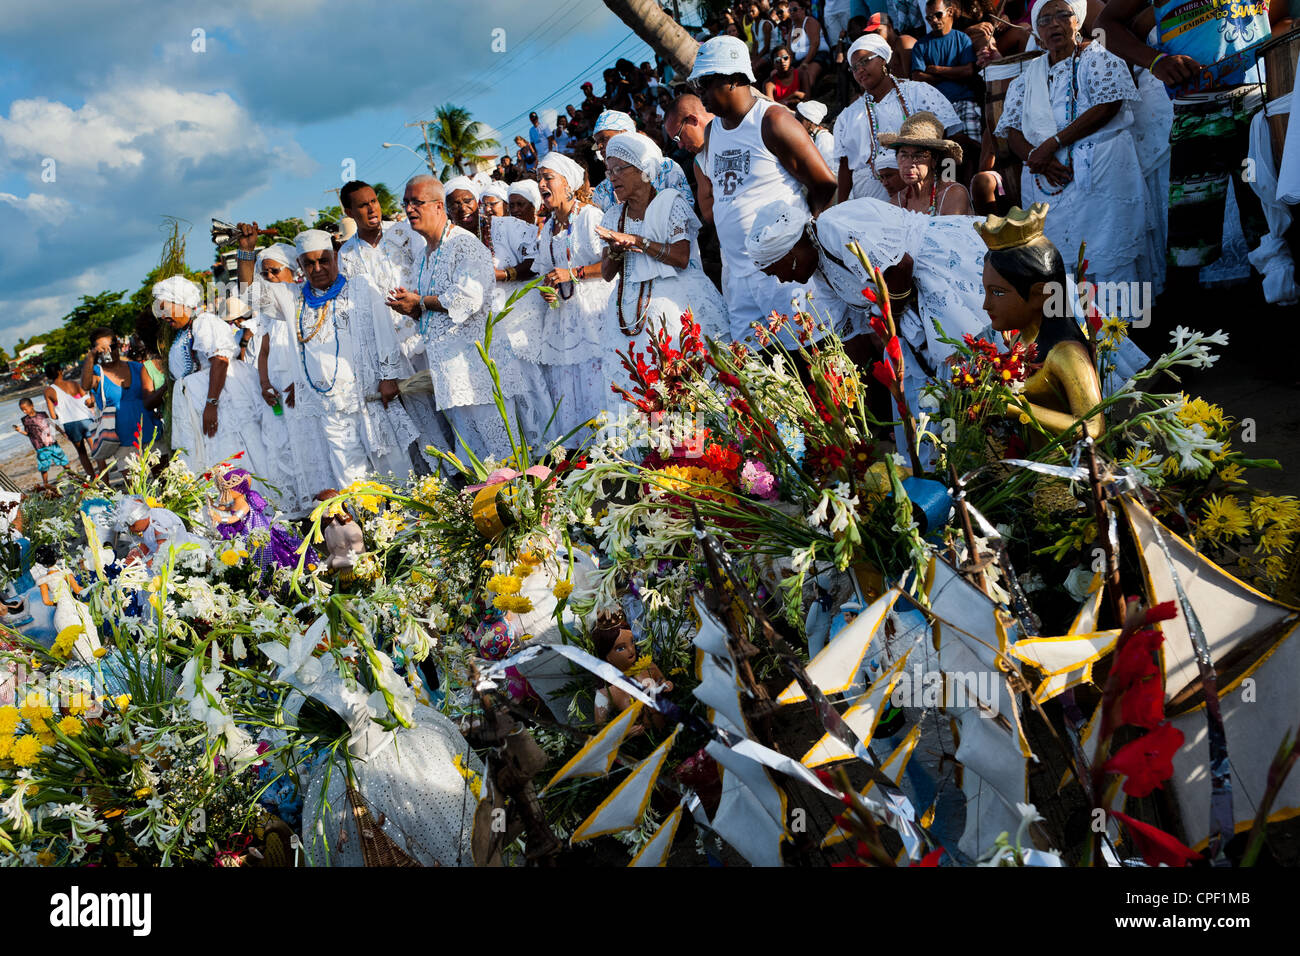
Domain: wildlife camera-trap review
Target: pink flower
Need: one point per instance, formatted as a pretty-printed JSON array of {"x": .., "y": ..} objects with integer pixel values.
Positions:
[{"x": 755, "y": 479}]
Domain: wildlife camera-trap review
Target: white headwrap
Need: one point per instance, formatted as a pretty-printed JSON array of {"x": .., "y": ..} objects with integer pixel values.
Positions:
[
  {"x": 777, "y": 227},
  {"x": 637, "y": 149},
  {"x": 313, "y": 240},
  {"x": 566, "y": 167},
  {"x": 1037, "y": 119},
  {"x": 812, "y": 111},
  {"x": 280, "y": 252},
  {"x": 496, "y": 190},
  {"x": 887, "y": 160},
  {"x": 613, "y": 119},
  {"x": 460, "y": 182},
  {"x": 874, "y": 44},
  {"x": 528, "y": 189},
  {"x": 179, "y": 290},
  {"x": 129, "y": 511}
]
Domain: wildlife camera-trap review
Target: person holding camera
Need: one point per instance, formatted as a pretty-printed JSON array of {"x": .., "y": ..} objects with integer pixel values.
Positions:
[{"x": 122, "y": 387}]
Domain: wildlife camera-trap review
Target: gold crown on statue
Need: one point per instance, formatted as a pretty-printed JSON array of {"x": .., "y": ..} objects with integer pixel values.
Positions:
[{"x": 1017, "y": 228}]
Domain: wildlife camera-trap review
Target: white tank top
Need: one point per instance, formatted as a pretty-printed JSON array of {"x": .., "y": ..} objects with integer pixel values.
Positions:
[
  {"x": 799, "y": 42},
  {"x": 746, "y": 176},
  {"x": 69, "y": 409}
]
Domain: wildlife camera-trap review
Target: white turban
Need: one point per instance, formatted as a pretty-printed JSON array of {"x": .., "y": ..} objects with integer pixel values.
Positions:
[
  {"x": 637, "y": 149},
  {"x": 496, "y": 190},
  {"x": 1079, "y": 7},
  {"x": 874, "y": 44},
  {"x": 179, "y": 290},
  {"x": 888, "y": 160},
  {"x": 528, "y": 189},
  {"x": 282, "y": 253},
  {"x": 313, "y": 240},
  {"x": 812, "y": 111},
  {"x": 777, "y": 227},
  {"x": 613, "y": 119},
  {"x": 457, "y": 183},
  {"x": 571, "y": 171}
]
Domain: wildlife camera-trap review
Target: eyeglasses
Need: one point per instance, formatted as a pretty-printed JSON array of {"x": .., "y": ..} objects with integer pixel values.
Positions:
[
  {"x": 1061, "y": 16},
  {"x": 860, "y": 65},
  {"x": 913, "y": 156},
  {"x": 417, "y": 203}
]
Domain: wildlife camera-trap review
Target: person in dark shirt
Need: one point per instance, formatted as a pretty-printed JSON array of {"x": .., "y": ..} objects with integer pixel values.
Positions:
[{"x": 945, "y": 58}]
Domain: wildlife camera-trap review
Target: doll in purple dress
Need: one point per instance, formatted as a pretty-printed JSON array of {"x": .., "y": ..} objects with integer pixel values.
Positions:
[{"x": 241, "y": 511}]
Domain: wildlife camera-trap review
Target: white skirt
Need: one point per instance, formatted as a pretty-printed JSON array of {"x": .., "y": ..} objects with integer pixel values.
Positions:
[{"x": 574, "y": 331}]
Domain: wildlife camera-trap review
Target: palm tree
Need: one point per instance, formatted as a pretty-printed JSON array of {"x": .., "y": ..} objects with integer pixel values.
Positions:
[
  {"x": 456, "y": 139},
  {"x": 665, "y": 36}
]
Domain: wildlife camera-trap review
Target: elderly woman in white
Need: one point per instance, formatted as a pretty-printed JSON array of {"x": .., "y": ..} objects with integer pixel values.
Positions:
[
  {"x": 882, "y": 107},
  {"x": 933, "y": 267},
  {"x": 216, "y": 405},
  {"x": 574, "y": 338},
  {"x": 652, "y": 254},
  {"x": 1068, "y": 117}
]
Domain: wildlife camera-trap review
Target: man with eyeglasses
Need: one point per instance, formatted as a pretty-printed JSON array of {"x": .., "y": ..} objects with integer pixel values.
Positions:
[
  {"x": 449, "y": 294},
  {"x": 945, "y": 58},
  {"x": 755, "y": 152}
]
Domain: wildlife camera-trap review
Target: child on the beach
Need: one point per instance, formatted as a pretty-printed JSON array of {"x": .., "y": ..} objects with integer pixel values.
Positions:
[{"x": 40, "y": 430}]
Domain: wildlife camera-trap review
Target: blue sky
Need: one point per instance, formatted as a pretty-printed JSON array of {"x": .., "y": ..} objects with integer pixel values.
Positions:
[{"x": 115, "y": 115}]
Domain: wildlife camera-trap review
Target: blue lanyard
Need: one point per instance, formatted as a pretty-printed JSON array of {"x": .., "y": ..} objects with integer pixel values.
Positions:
[
  {"x": 423, "y": 322},
  {"x": 302, "y": 349}
]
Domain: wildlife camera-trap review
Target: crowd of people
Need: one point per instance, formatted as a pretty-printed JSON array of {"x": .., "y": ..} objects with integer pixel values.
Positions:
[{"x": 724, "y": 195}]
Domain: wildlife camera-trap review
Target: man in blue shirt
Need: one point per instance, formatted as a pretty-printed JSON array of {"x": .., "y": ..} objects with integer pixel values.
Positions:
[
  {"x": 539, "y": 137},
  {"x": 945, "y": 58}
]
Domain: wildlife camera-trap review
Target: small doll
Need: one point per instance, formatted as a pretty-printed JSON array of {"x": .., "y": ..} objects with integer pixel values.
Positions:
[
  {"x": 240, "y": 511},
  {"x": 60, "y": 590},
  {"x": 343, "y": 538},
  {"x": 615, "y": 644},
  {"x": 154, "y": 528}
]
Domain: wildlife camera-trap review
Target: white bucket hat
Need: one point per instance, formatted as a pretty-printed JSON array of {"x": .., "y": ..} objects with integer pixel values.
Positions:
[{"x": 724, "y": 56}]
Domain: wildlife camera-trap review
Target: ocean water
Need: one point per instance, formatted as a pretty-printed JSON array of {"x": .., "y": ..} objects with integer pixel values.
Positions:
[{"x": 12, "y": 442}]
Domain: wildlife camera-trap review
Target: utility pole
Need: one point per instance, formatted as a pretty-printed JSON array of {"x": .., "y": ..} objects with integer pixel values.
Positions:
[{"x": 428, "y": 150}]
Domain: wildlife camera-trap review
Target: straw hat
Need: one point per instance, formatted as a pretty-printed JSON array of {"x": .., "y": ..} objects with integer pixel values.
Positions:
[{"x": 924, "y": 130}]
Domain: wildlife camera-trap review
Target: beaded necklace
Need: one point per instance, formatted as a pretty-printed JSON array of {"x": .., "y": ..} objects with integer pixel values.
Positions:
[
  {"x": 568, "y": 240},
  {"x": 423, "y": 321},
  {"x": 304, "y": 339},
  {"x": 1072, "y": 112},
  {"x": 870, "y": 103},
  {"x": 643, "y": 290},
  {"x": 186, "y": 341},
  {"x": 934, "y": 198}
]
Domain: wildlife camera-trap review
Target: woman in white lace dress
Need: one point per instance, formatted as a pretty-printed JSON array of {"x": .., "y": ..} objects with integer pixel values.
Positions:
[
  {"x": 216, "y": 405},
  {"x": 574, "y": 338},
  {"x": 653, "y": 256},
  {"x": 518, "y": 337},
  {"x": 1069, "y": 117}
]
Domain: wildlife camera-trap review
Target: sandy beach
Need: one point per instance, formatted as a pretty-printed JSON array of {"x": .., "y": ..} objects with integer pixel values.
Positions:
[{"x": 20, "y": 466}]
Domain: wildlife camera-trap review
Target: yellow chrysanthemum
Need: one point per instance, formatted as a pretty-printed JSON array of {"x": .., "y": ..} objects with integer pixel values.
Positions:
[
  {"x": 562, "y": 590},
  {"x": 153, "y": 502},
  {"x": 122, "y": 701},
  {"x": 38, "y": 726},
  {"x": 230, "y": 557},
  {"x": 1275, "y": 538},
  {"x": 1197, "y": 411},
  {"x": 504, "y": 584},
  {"x": 47, "y": 739},
  {"x": 366, "y": 494},
  {"x": 78, "y": 704},
  {"x": 1223, "y": 518},
  {"x": 26, "y": 751},
  {"x": 6, "y": 745},
  {"x": 530, "y": 558},
  {"x": 470, "y": 775},
  {"x": 35, "y": 705},
  {"x": 508, "y": 602},
  {"x": 9, "y": 718},
  {"x": 67, "y": 637},
  {"x": 71, "y": 727},
  {"x": 1231, "y": 473},
  {"x": 1283, "y": 509}
]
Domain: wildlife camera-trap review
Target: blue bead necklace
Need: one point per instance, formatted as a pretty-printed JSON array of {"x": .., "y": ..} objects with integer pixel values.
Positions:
[
  {"x": 423, "y": 321},
  {"x": 1072, "y": 112},
  {"x": 303, "y": 339}
]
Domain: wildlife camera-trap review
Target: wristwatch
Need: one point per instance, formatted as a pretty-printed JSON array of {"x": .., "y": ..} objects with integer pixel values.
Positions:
[{"x": 214, "y": 402}]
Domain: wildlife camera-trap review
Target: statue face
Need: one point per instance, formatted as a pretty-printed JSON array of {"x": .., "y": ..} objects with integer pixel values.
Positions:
[{"x": 1007, "y": 310}]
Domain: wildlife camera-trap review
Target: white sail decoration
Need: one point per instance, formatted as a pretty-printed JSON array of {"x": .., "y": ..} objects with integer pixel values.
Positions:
[
  {"x": 625, "y": 806},
  {"x": 862, "y": 718},
  {"x": 655, "y": 853},
  {"x": 964, "y": 611},
  {"x": 719, "y": 690},
  {"x": 752, "y": 811},
  {"x": 1240, "y": 623},
  {"x": 994, "y": 781},
  {"x": 892, "y": 767},
  {"x": 834, "y": 670},
  {"x": 1257, "y": 709},
  {"x": 1085, "y": 622},
  {"x": 1064, "y": 661},
  {"x": 598, "y": 753}
]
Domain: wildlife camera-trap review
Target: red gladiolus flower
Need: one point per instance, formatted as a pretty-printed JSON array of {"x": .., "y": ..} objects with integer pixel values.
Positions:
[
  {"x": 930, "y": 859},
  {"x": 878, "y": 326},
  {"x": 731, "y": 381},
  {"x": 885, "y": 374},
  {"x": 1155, "y": 845},
  {"x": 1094, "y": 322},
  {"x": 869, "y": 295},
  {"x": 894, "y": 349},
  {"x": 1143, "y": 704},
  {"x": 1136, "y": 659},
  {"x": 825, "y": 777},
  {"x": 1166, "y": 611},
  {"x": 1148, "y": 761}
]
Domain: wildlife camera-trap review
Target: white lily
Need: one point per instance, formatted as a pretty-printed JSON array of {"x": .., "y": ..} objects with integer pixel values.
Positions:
[{"x": 298, "y": 666}]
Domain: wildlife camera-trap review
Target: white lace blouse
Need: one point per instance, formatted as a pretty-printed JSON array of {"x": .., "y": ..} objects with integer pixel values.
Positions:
[
  {"x": 682, "y": 224},
  {"x": 1103, "y": 78}
]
